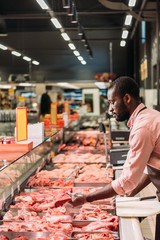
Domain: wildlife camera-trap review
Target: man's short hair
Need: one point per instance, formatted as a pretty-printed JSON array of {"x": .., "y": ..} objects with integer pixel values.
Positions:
[{"x": 125, "y": 85}]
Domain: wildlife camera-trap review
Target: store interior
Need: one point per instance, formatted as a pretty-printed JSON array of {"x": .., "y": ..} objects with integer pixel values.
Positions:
[{"x": 74, "y": 49}]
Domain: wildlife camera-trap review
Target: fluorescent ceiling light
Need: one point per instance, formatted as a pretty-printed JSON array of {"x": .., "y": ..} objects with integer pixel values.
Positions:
[
  {"x": 100, "y": 85},
  {"x": 80, "y": 58},
  {"x": 3, "y": 47},
  {"x": 42, "y": 4},
  {"x": 128, "y": 20},
  {"x": 56, "y": 22},
  {"x": 83, "y": 62},
  {"x": 71, "y": 45},
  {"x": 125, "y": 34},
  {"x": 66, "y": 85},
  {"x": 123, "y": 43},
  {"x": 35, "y": 62},
  {"x": 65, "y": 36},
  {"x": 66, "y": 3},
  {"x": 27, "y": 58},
  {"x": 132, "y": 3},
  {"x": 76, "y": 53},
  {"x": 16, "y": 53}
]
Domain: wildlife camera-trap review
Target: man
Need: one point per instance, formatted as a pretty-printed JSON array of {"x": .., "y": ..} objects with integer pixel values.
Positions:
[{"x": 142, "y": 165}]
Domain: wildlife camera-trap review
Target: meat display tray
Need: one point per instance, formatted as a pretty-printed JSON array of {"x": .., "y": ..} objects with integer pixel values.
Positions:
[
  {"x": 115, "y": 234},
  {"x": 84, "y": 162},
  {"x": 30, "y": 235},
  {"x": 78, "y": 185},
  {"x": 89, "y": 184}
]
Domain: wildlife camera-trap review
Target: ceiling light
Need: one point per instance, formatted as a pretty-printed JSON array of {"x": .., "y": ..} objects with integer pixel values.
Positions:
[
  {"x": 100, "y": 85},
  {"x": 71, "y": 45},
  {"x": 3, "y": 47},
  {"x": 128, "y": 20},
  {"x": 86, "y": 43},
  {"x": 42, "y": 4},
  {"x": 66, "y": 3},
  {"x": 83, "y": 62},
  {"x": 132, "y": 3},
  {"x": 125, "y": 34},
  {"x": 80, "y": 30},
  {"x": 83, "y": 39},
  {"x": 56, "y": 23},
  {"x": 80, "y": 58},
  {"x": 76, "y": 53},
  {"x": 27, "y": 58},
  {"x": 16, "y": 53},
  {"x": 71, "y": 9},
  {"x": 90, "y": 54},
  {"x": 65, "y": 36},
  {"x": 75, "y": 15},
  {"x": 88, "y": 48},
  {"x": 35, "y": 62},
  {"x": 123, "y": 43}
]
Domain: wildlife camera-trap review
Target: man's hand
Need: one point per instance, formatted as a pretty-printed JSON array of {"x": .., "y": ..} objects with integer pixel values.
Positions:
[{"x": 78, "y": 199}]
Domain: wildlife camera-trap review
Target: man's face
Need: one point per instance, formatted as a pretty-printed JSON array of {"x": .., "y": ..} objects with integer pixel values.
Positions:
[{"x": 117, "y": 106}]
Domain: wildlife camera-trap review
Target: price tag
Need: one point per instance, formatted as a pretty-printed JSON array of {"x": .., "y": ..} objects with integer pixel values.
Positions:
[
  {"x": 11, "y": 91},
  {"x": 18, "y": 186},
  {"x": 12, "y": 192},
  {"x": 54, "y": 113},
  {"x": 21, "y": 123},
  {"x": 52, "y": 154},
  {"x": 66, "y": 107}
]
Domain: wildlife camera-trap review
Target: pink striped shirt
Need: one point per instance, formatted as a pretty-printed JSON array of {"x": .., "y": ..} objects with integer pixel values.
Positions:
[{"x": 144, "y": 144}]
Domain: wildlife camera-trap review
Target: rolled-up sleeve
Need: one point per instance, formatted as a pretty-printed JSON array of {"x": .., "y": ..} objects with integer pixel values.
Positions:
[{"x": 141, "y": 146}]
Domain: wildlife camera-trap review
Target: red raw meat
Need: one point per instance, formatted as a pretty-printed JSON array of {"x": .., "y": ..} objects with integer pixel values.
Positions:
[
  {"x": 21, "y": 238},
  {"x": 58, "y": 236},
  {"x": 46, "y": 182},
  {"x": 3, "y": 237},
  {"x": 61, "y": 201},
  {"x": 111, "y": 224},
  {"x": 96, "y": 214},
  {"x": 96, "y": 236}
]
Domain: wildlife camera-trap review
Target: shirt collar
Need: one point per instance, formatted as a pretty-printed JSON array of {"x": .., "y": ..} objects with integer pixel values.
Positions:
[{"x": 134, "y": 114}]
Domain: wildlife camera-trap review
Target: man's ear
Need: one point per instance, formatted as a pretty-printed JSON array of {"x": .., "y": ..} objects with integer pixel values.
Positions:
[{"x": 127, "y": 99}]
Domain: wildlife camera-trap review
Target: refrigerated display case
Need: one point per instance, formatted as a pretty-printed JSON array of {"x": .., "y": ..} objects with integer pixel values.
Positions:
[{"x": 14, "y": 176}]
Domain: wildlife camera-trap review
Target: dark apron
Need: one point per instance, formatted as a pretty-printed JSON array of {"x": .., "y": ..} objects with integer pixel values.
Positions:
[{"x": 154, "y": 175}]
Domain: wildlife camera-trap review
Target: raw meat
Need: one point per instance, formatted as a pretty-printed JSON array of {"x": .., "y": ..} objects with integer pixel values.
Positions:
[
  {"x": 38, "y": 226},
  {"x": 108, "y": 224},
  {"x": 58, "y": 236},
  {"x": 96, "y": 214},
  {"x": 72, "y": 157},
  {"x": 3, "y": 237},
  {"x": 44, "y": 181},
  {"x": 21, "y": 238},
  {"x": 95, "y": 236}
]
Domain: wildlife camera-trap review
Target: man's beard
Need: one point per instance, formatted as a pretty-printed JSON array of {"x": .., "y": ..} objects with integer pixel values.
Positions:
[
  {"x": 124, "y": 113},
  {"x": 122, "y": 117}
]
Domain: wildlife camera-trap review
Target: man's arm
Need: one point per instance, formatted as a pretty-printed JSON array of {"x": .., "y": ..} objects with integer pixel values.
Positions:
[
  {"x": 105, "y": 192},
  {"x": 144, "y": 181}
]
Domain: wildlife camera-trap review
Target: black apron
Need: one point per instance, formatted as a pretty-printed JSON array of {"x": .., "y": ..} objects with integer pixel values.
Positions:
[{"x": 154, "y": 175}]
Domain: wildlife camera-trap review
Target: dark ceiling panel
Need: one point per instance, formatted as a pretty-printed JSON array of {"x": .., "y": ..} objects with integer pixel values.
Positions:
[{"x": 31, "y": 32}]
